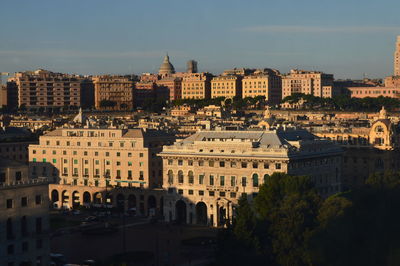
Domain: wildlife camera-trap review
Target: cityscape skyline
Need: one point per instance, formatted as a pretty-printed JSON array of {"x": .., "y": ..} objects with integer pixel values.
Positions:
[{"x": 293, "y": 35}]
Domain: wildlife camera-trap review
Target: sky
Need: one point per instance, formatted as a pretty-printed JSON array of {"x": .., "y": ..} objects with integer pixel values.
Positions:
[{"x": 347, "y": 38}]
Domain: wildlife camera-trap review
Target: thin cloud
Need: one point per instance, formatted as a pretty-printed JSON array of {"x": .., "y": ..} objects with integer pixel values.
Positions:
[
  {"x": 319, "y": 29},
  {"x": 86, "y": 54}
]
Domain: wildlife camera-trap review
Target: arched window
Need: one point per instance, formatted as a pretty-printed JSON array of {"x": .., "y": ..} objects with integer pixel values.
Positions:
[
  {"x": 170, "y": 177},
  {"x": 266, "y": 176},
  {"x": 255, "y": 180},
  {"x": 180, "y": 176},
  {"x": 191, "y": 177},
  {"x": 10, "y": 233}
]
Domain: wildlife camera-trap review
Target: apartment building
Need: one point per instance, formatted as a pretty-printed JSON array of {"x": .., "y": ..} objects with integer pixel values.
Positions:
[
  {"x": 24, "y": 219},
  {"x": 226, "y": 86},
  {"x": 173, "y": 85},
  {"x": 206, "y": 173},
  {"x": 114, "y": 92},
  {"x": 196, "y": 86},
  {"x": 84, "y": 163},
  {"x": 308, "y": 82},
  {"x": 266, "y": 83},
  {"x": 42, "y": 88}
]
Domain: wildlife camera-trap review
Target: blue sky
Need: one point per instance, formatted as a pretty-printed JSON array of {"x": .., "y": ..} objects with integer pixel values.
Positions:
[{"x": 346, "y": 38}]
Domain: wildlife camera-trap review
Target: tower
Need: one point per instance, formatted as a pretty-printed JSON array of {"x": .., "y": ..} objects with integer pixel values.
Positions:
[
  {"x": 397, "y": 58},
  {"x": 191, "y": 66}
]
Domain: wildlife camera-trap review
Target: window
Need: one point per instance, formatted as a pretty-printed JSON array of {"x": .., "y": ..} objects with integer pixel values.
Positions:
[
  {"x": 38, "y": 225},
  {"x": 201, "y": 179},
  {"x": 129, "y": 163},
  {"x": 129, "y": 154},
  {"x": 211, "y": 180},
  {"x": 118, "y": 163},
  {"x": 39, "y": 243},
  {"x": 233, "y": 195},
  {"x": 190, "y": 192},
  {"x": 180, "y": 191},
  {"x": 244, "y": 165},
  {"x": 278, "y": 166},
  {"x": 10, "y": 249},
  {"x": 233, "y": 181},
  {"x": 170, "y": 162},
  {"x": 24, "y": 201},
  {"x": 24, "y": 246},
  {"x": 74, "y": 153},
  {"x": 201, "y": 193},
  {"x": 75, "y": 161},
  {"x": 180, "y": 162},
  {"x": 191, "y": 177},
  {"x": 141, "y": 175},
  {"x": 211, "y": 193},
  {"x": 222, "y": 180},
  {"x": 96, "y": 153},
  {"x": 255, "y": 180},
  {"x": 118, "y": 173},
  {"x": 180, "y": 177},
  {"x": 141, "y": 155},
  {"x": 190, "y": 163},
  {"x": 170, "y": 177},
  {"x": 9, "y": 203},
  {"x": 107, "y": 154},
  {"x": 222, "y": 193},
  {"x": 118, "y": 154},
  {"x": 201, "y": 163},
  {"x": 233, "y": 164},
  {"x": 266, "y": 165},
  {"x": 243, "y": 181},
  {"x": 221, "y": 164},
  {"x": 24, "y": 226},
  {"x": 211, "y": 163},
  {"x": 255, "y": 165},
  {"x": 18, "y": 176},
  {"x": 54, "y": 160},
  {"x": 129, "y": 174}
]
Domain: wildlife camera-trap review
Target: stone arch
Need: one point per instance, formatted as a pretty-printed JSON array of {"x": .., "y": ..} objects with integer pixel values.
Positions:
[
  {"x": 75, "y": 199},
  {"x": 255, "y": 180},
  {"x": 120, "y": 202},
  {"x": 170, "y": 177},
  {"x": 180, "y": 211},
  {"x": 65, "y": 198},
  {"x": 86, "y": 197},
  {"x": 151, "y": 205},
  {"x": 201, "y": 213},
  {"x": 54, "y": 195},
  {"x": 132, "y": 202},
  {"x": 97, "y": 199}
]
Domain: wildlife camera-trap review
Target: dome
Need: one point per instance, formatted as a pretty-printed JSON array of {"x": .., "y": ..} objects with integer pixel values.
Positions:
[{"x": 166, "y": 67}]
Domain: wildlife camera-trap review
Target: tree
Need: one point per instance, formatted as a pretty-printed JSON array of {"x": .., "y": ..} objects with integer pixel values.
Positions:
[
  {"x": 107, "y": 103},
  {"x": 360, "y": 227}
]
